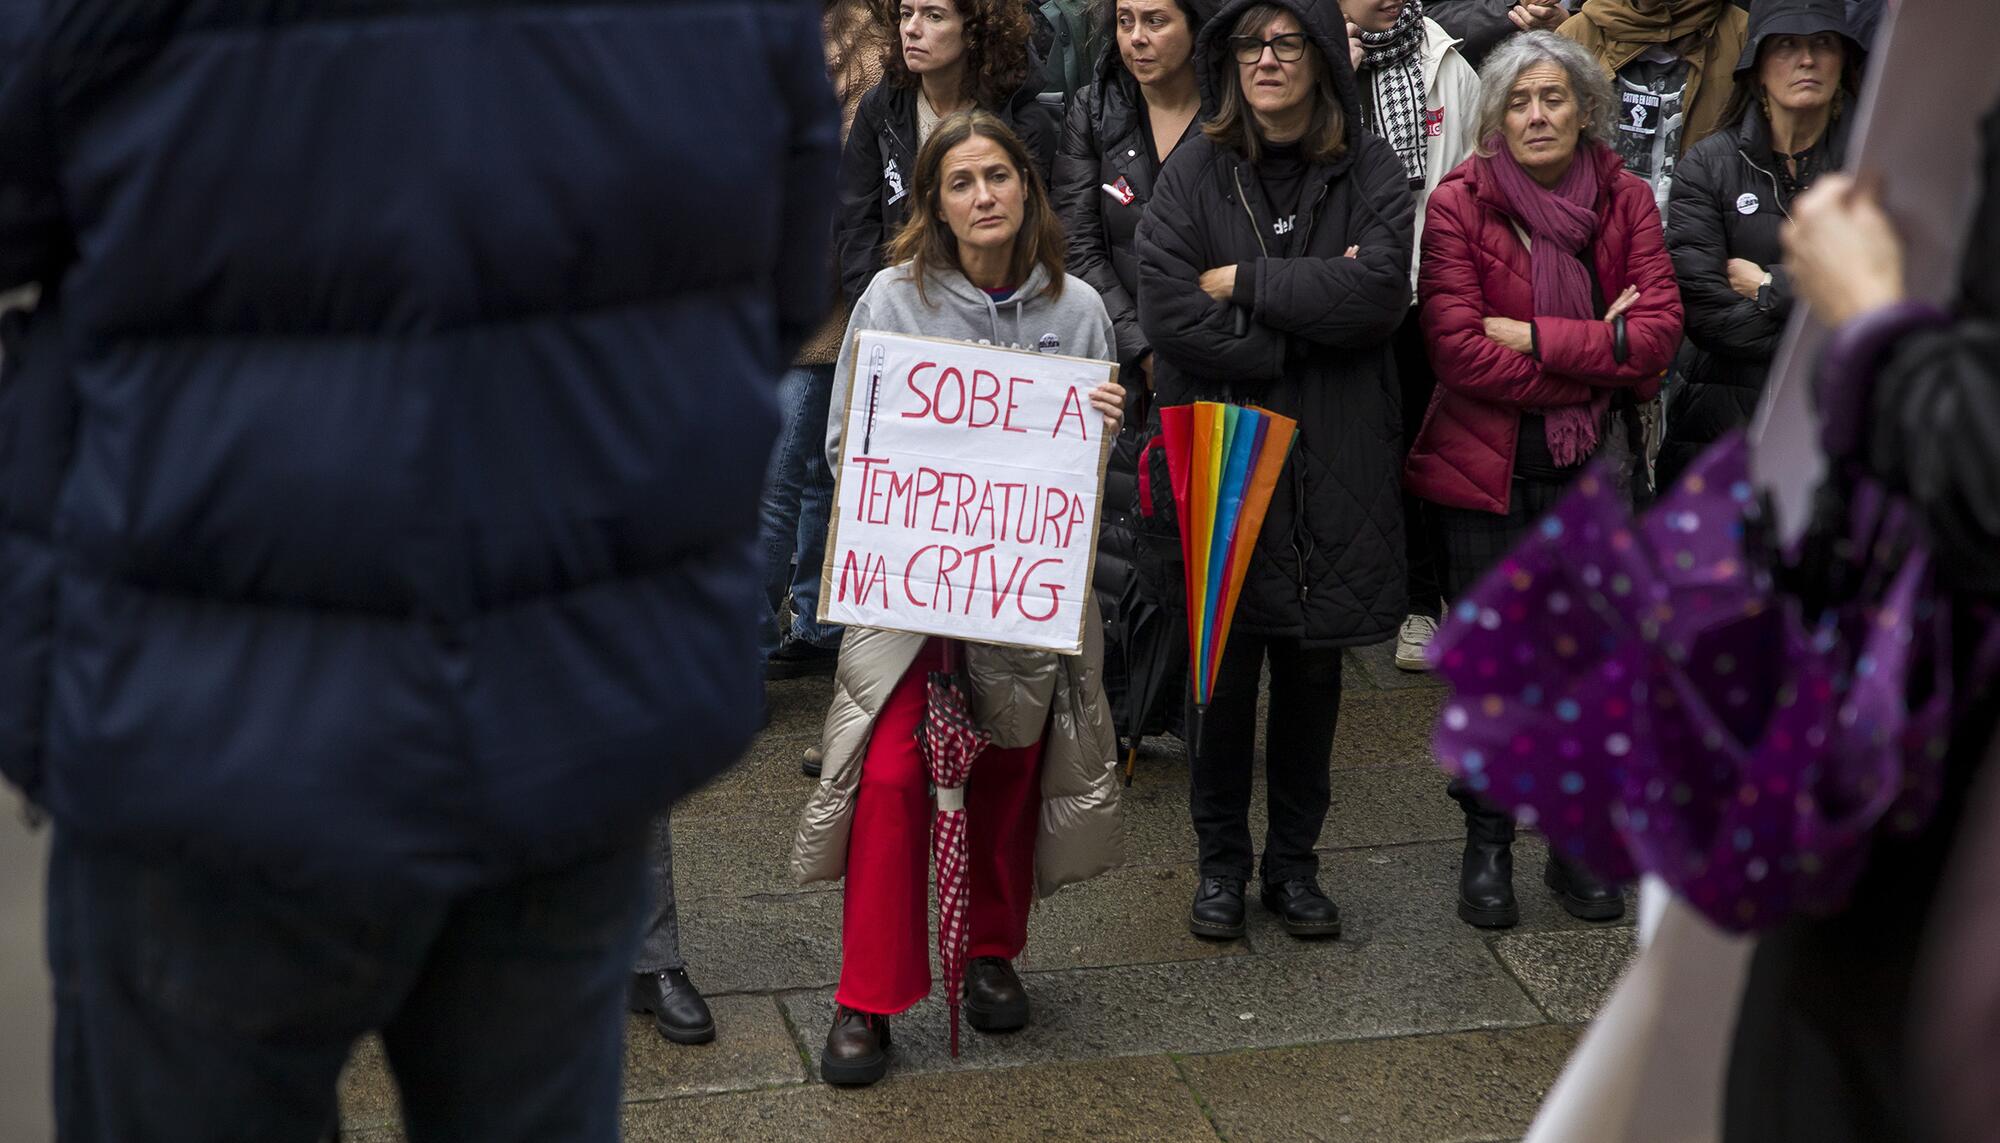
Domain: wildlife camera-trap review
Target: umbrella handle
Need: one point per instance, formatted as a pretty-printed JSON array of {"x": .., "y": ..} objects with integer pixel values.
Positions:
[{"x": 954, "y": 655}]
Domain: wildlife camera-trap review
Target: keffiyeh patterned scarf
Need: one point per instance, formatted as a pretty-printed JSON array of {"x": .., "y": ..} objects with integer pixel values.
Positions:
[{"x": 1392, "y": 65}]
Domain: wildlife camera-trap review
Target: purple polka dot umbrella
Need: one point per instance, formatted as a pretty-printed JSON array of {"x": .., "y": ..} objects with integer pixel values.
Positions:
[{"x": 1645, "y": 692}]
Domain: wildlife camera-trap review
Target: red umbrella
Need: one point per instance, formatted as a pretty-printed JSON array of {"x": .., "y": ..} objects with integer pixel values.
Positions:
[{"x": 949, "y": 740}]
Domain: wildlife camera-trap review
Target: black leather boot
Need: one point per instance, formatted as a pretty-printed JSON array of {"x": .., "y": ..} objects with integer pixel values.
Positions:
[
  {"x": 995, "y": 999},
  {"x": 1583, "y": 896},
  {"x": 678, "y": 1011},
  {"x": 857, "y": 1048},
  {"x": 1486, "y": 872},
  {"x": 1217, "y": 913},
  {"x": 1302, "y": 909}
]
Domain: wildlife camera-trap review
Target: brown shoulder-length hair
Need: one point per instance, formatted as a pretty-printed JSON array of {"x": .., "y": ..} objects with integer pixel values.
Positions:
[
  {"x": 926, "y": 241},
  {"x": 1235, "y": 125},
  {"x": 996, "y": 48}
]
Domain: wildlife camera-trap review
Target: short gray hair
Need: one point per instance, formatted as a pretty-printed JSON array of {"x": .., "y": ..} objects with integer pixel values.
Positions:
[{"x": 1587, "y": 78}]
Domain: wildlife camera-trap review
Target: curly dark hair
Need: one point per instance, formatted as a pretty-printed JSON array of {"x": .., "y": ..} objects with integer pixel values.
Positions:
[{"x": 996, "y": 48}]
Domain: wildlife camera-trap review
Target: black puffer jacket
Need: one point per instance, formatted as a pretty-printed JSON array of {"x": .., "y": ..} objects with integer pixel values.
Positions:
[
  {"x": 1730, "y": 200},
  {"x": 1104, "y": 144},
  {"x": 880, "y": 159},
  {"x": 1329, "y": 567}
]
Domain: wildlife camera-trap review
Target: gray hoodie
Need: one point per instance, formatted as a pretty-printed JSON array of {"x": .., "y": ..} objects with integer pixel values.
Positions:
[{"x": 1074, "y": 325}]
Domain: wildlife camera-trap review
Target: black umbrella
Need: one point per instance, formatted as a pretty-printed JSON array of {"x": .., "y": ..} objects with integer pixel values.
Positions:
[{"x": 1139, "y": 585}]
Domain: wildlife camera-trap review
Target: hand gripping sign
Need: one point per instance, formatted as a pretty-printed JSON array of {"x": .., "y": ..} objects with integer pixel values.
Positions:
[{"x": 968, "y": 495}]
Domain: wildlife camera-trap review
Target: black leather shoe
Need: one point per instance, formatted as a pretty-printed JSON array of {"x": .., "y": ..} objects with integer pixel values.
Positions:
[
  {"x": 1218, "y": 909},
  {"x": 1582, "y": 895},
  {"x": 796, "y": 659},
  {"x": 1302, "y": 909},
  {"x": 1486, "y": 885},
  {"x": 995, "y": 1000},
  {"x": 857, "y": 1047},
  {"x": 678, "y": 1010}
]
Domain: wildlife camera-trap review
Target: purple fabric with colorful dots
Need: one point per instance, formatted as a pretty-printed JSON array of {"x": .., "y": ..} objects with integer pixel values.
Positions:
[{"x": 1639, "y": 691}]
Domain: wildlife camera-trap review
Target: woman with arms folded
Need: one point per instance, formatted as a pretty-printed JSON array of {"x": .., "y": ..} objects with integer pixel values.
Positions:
[{"x": 1546, "y": 294}]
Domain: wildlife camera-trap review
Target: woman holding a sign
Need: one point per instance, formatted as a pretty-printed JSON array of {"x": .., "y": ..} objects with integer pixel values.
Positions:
[
  {"x": 1273, "y": 266},
  {"x": 980, "y": 261}
]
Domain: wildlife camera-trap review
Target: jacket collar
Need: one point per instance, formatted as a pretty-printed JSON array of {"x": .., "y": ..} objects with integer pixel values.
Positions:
[{"x": 1753, "y": 137}]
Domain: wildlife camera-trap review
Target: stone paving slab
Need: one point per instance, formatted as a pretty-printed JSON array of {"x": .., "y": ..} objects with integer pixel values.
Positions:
[
  {"x": 1142, "y": 1100},
  {"x": 1127, "y": 916},
  {"x": 1430, "y": 1089},
  {"x": 752, "y": 1049},
  {"x": 1390, "y": 805},
  {"x": 761, "y": 944},
  {"x": 1381, "y": 988},
  {"x": 1569, "y": 974},
  {"x": 1377, "y": 665}
]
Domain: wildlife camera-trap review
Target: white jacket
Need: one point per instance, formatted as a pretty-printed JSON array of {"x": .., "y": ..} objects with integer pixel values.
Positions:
[{"x": 1451, "y": 89}]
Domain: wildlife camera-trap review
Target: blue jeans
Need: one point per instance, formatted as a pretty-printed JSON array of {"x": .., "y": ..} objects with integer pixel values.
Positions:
[
  {"x": 209, "y": 1005},
  {"x": 798, "y": 504}
]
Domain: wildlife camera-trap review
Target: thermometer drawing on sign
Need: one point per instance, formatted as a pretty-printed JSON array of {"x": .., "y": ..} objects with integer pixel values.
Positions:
[{"x": 876, "y": 360}]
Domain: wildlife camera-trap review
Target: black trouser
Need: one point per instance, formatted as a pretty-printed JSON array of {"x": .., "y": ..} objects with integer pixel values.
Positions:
[
  {"x": 1298, "y": 754},
  {"x": 1420, "y": 531}
]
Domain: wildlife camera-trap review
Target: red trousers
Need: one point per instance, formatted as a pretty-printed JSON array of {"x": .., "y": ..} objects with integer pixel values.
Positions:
[{"x": 885, "y": 940}]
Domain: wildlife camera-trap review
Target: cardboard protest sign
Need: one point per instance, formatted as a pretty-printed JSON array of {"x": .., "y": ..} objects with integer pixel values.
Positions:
[
  {"x": 1931, "y": 82},
  {"x": 968, "y": 495}
]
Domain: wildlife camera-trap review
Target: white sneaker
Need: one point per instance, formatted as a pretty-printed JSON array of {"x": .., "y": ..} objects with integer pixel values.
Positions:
[{"x": 1413, "y": 641}]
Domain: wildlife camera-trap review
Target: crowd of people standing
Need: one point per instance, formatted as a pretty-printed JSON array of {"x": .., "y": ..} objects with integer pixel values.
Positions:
[
  {"x": 1471, "y": 246},
  {"x": 1459, "y": 282}
]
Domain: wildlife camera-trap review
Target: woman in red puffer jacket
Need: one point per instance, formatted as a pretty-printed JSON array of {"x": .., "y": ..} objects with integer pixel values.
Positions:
[{"x": 1549, "y": 302}]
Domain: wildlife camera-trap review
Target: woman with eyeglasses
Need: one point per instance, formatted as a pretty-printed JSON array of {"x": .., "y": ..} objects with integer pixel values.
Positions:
[
  {"x": 947, "y": 56},
  {"x": 1273, "y": 267}
]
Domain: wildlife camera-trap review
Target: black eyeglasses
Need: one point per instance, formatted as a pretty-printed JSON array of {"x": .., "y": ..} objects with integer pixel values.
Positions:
[{"x": 1289, "y": 48}]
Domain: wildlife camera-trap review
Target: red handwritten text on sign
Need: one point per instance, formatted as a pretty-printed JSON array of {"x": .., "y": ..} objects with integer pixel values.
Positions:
[{"x": 968, "y": 492}]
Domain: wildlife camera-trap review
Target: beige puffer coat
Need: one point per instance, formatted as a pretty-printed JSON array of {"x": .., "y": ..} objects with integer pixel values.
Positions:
[{"x": 1015, "y": 694}]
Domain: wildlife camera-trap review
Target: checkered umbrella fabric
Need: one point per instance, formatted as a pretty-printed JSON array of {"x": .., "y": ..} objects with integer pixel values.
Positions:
[{"x": 949, "y": 741}]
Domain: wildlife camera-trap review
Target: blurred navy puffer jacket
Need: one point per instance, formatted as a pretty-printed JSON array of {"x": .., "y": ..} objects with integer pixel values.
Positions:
[{"x": 378, "y": 475}]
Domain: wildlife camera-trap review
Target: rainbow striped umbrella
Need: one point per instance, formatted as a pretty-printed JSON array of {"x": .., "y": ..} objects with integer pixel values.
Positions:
[{"x": 1224, "y": 461}]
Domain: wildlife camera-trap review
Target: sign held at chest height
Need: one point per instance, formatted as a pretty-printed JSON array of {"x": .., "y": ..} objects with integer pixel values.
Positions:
[{"x": 967, "y": 499}]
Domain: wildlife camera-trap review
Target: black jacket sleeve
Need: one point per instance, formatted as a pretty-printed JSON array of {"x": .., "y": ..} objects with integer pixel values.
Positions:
[
  {"x": 1719, "y": 320},
  {"x": 809, "y": 163},
  {"x": 1350, "y": 302},
  {"x": 1078, "y": 193},
  {"x": 1040, "y": 130},
  {"x": 1480, "y": 24},
  {"x": 1935, "y": 434},
  {"x": 858, "y": 227},
  {"x": 1183, "y": 324}
]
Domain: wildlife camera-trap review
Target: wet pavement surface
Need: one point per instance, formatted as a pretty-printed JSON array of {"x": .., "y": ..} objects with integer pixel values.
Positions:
[{"x": 1411, "y": 1028}]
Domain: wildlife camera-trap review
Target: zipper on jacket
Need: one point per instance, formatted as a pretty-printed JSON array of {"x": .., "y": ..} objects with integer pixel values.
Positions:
[{"x": 1257, "y": 232}]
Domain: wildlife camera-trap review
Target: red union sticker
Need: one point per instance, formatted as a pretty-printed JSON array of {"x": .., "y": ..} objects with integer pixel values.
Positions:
[
  {"x": 1434, "y": 123},
  {"x": 1121, "y": 190}
]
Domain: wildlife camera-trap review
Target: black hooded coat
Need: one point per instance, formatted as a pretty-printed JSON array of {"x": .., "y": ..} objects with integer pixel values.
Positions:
[
  {"x": 1329, "y": 564},
  {"x": 1731, "y": 199}
]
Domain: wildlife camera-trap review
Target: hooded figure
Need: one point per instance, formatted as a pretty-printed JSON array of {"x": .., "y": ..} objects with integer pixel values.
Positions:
[
  {"x": 1670, "y": 63},
  {"x": 1731, "y": 198},
  {"x": 1273, "y": 267}
]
